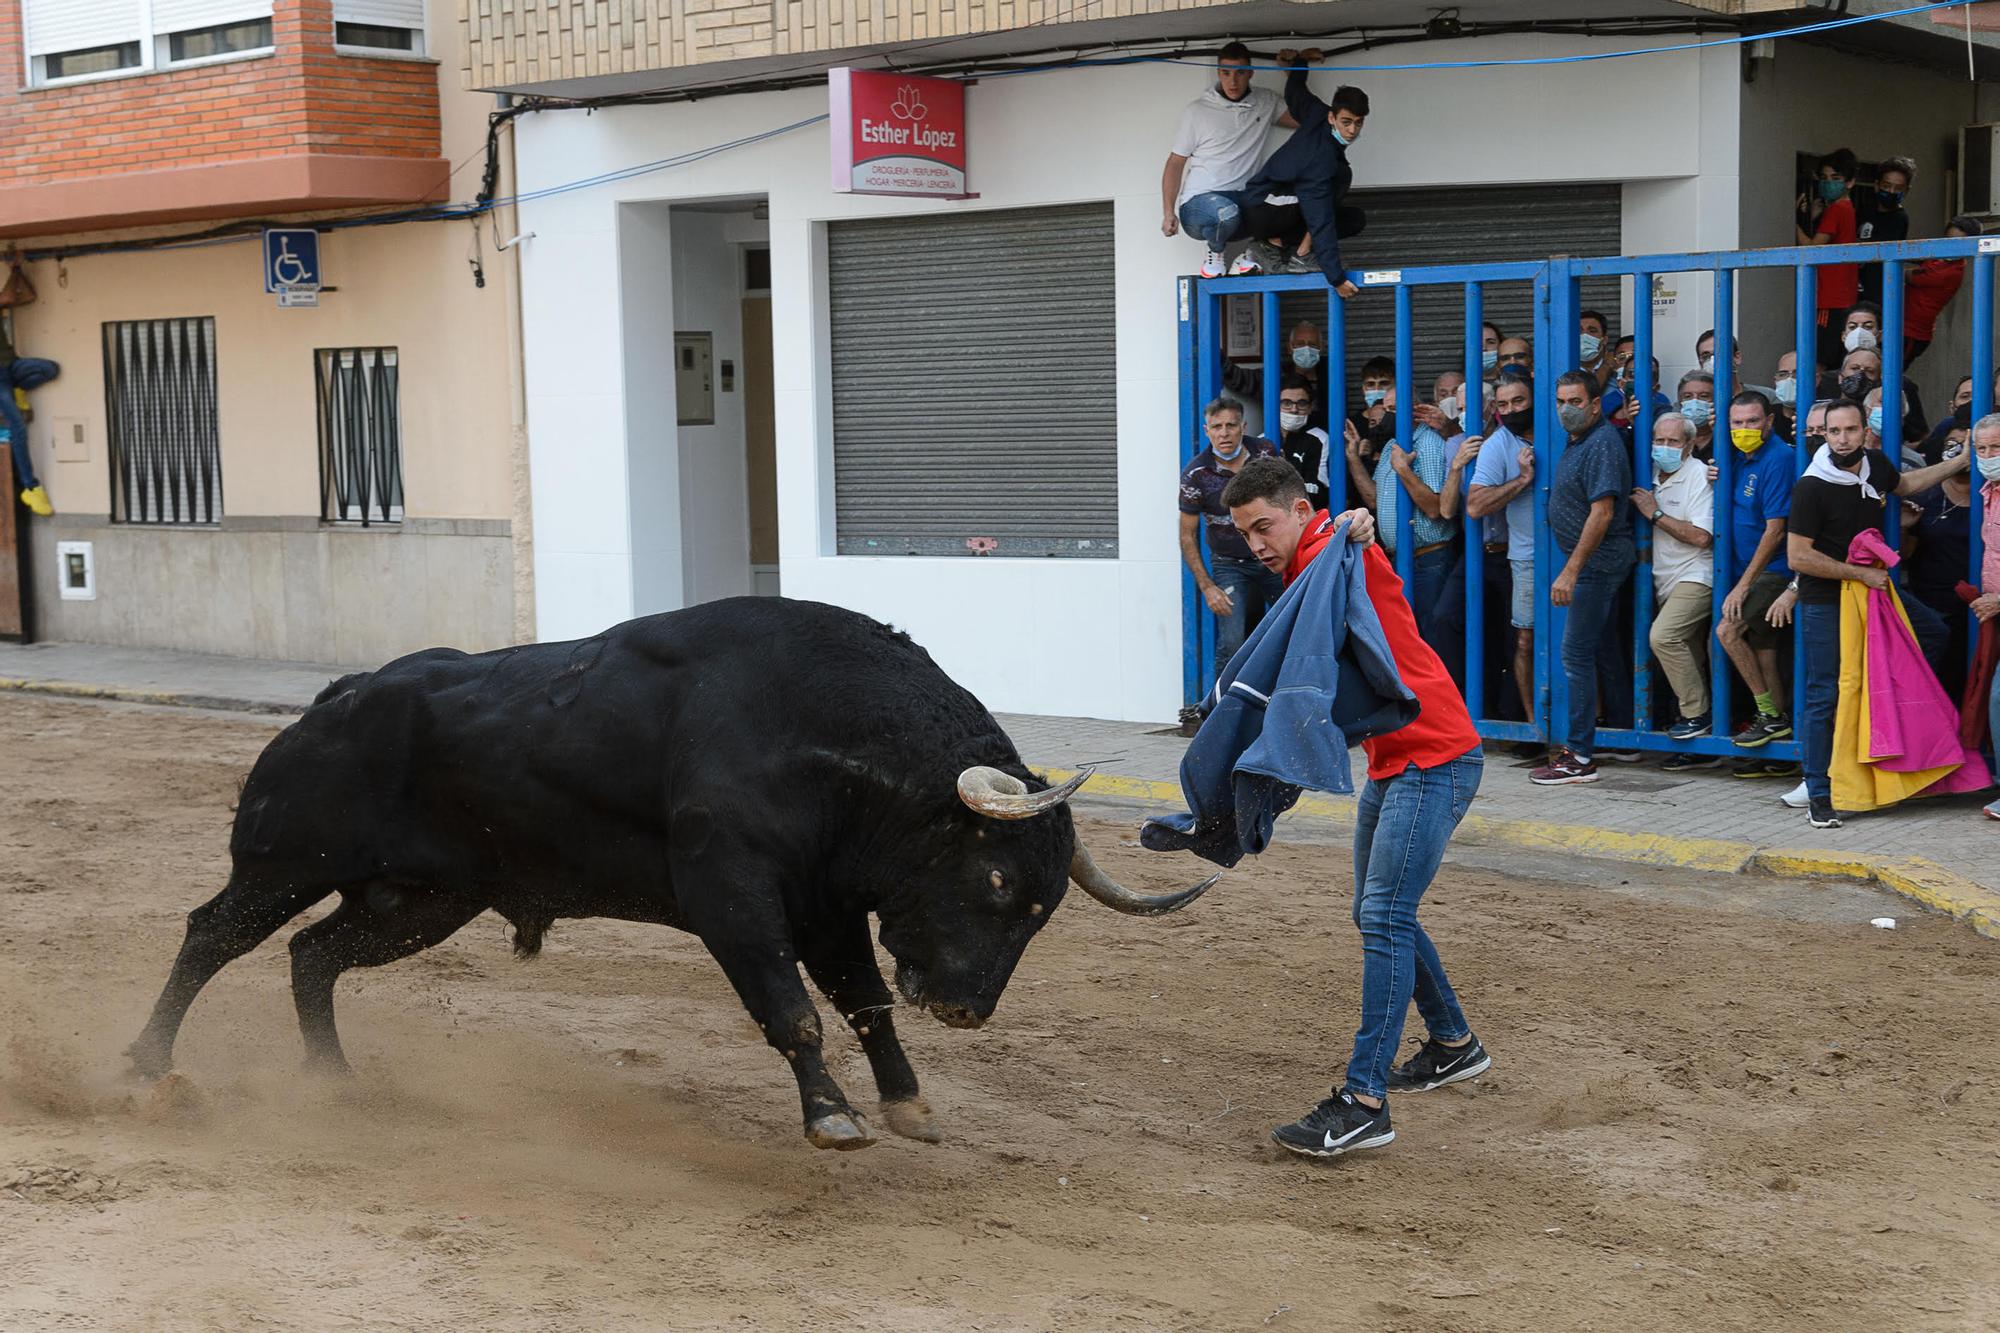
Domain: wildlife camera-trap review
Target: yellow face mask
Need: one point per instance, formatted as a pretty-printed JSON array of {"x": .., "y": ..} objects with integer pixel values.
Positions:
[{"x": 1746, "y": 439}]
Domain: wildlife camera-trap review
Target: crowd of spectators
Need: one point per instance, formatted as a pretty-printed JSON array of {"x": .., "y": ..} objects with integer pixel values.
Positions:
[{"x": 1792, "y": 525}]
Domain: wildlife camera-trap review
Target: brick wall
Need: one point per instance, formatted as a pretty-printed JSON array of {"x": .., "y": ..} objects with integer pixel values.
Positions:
[
  {"x": 517, "y": 43},
  {"x": 303, "y": 99}
]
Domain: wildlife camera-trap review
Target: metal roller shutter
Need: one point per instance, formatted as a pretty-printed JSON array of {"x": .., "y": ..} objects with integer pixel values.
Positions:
[
  {"x": 1473, "y": 225},
  {"x": 975, "y": 383}
]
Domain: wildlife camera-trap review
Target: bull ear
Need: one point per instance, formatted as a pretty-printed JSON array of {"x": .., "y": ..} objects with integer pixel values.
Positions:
[
  {"x": 1121, "y": 899},
  {"x": 999, "y": 795}
]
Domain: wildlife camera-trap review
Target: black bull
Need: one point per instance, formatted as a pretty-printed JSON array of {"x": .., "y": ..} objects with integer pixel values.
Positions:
[{"x": 760, "y": 772}]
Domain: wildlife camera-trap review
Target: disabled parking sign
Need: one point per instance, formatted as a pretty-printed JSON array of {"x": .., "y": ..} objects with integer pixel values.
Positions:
[{"x": 291, "y": 260}]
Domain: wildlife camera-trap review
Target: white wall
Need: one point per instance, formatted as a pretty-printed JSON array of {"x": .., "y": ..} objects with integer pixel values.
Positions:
[
  {"x": 1081, "y": 637},
  {"x": 1814, "y": 100}
]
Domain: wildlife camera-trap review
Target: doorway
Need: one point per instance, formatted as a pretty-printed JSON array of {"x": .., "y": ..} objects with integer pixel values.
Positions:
[{"x": 720, "y": 370}]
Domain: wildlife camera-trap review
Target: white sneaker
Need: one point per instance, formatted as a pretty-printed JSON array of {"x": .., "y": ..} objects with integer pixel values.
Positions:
[
  {"x": 1796, "y": 797},
  {"x": 1213, "y": 264},
  {"x": 1245, "y": 263}
]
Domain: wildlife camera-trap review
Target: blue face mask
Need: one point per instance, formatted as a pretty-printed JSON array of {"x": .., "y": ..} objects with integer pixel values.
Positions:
[
  {"x": 1698, "y": 411},
  {"x": 1372, "y": 396},
  {"x": 1342, "y": 139},
  {"x": 1668, "y": 457},
  {"x": 1305, "y": 358},
  {"x": 1787, "y": 391},
  {"x": 1989, "y": 468},
  {"x": 1589, "y": 345},
  {"x": 1489, "y": 359},
  {"x": 1875, "y": 420},
  {"x": 1832, "y": 190}
]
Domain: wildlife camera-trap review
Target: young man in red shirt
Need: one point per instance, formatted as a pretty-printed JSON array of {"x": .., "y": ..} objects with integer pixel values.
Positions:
[
  {"x": 1826, "y": 217},
  {"x": 1421, "y": 778}
]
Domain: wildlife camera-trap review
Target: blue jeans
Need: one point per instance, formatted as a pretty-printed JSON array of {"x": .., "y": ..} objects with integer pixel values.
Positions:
[
  {"x": 1254, "y": 589},
  {"x": 1819, "y": 640},
  {"x": 24, "y": 372},
  {"x": 1431, "y": 575},
  {"x": 1400, "y": 830},
  {"x": 1215, "y": 217},
  {"x": 1590, "y": 640}
]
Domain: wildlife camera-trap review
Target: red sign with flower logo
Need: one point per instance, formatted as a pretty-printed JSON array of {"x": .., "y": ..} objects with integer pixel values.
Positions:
[{"x": 897, "y": 134}]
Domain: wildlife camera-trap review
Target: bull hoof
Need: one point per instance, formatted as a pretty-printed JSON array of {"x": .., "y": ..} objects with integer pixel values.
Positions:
[
  {"x": 148, "y": 1062},
  {"x": 912, "y": 1119},
  {"x": 841, "y": 1132}
]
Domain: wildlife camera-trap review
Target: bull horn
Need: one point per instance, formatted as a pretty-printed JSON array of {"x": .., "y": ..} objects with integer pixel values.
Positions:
[
  {"x": 1121, "y": 899},
  {"x": 999, "y": 795}
]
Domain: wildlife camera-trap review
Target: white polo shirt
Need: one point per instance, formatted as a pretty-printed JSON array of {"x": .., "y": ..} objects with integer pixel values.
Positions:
[
  {"x": 1687, "y": 496},
  {"x": 1223, "y": 140}
]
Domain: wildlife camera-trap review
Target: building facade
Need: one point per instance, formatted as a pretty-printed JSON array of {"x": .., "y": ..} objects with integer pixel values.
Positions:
[
  {"x": 233, "y": 470},
  {"x": 973, "y": 402}
]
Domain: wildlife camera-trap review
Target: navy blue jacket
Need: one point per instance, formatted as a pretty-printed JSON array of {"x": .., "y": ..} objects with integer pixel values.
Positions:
[
  {"x": 1314, "y": 678},
  {"x": 1311, "y": 164}
]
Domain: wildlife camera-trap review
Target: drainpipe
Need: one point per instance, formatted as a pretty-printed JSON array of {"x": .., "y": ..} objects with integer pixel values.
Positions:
[{"x": 523, "y": 524}]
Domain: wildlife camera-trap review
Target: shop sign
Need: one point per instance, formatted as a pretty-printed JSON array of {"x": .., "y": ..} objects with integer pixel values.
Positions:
[{"x": 897, "y": 134}]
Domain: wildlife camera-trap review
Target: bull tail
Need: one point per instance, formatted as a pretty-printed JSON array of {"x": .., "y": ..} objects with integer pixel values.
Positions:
[{"x": 528, "y": 932}]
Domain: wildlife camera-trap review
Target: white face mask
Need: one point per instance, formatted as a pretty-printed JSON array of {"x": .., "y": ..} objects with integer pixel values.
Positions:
[
  {"x": 1449, "y": 406},
  {"x": 1859, "y": 338},
  {"x": 1292, "y": 420},
  {"x": 1708, "y": 361}
]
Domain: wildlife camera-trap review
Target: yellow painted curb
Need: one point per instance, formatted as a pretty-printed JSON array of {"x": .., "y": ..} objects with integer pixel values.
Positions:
[
  {"x": 1913, "y": 877},
  {"x": 67, "y": 689}
]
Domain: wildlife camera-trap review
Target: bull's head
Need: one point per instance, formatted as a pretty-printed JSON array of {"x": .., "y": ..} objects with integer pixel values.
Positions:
[{"x": 994, "y": 888}]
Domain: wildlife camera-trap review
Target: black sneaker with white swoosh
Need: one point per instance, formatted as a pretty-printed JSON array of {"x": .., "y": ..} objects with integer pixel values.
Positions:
[
  {"x": 1436, "y": 1064},
  {"x": 1337, "y": 1125}
]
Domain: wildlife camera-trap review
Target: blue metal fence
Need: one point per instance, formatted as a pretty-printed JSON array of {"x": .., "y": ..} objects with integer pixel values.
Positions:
[{"x": 1555, "y": 341}]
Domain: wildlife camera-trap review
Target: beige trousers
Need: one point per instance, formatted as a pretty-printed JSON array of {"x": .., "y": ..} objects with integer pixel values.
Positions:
[{"x": 1680, "y": 640}]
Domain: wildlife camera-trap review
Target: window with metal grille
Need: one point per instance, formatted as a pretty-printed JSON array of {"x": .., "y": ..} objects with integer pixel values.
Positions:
[
  {"x": 159, "y": 403},
  {"x": 360, "y": 434}
]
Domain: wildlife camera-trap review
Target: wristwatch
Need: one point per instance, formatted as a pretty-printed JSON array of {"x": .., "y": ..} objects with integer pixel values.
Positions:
[{"x": 1793, "y": 586}]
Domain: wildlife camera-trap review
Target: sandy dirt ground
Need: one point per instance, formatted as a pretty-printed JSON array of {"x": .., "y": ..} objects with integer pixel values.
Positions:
[{"x": 1701, "y": 1117}]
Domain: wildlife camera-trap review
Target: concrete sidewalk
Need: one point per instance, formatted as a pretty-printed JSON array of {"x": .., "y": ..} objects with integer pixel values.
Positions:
[{"x": 1942, "y": 853}]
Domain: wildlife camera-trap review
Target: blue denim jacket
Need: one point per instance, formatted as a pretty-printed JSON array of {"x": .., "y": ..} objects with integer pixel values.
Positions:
[{"x": 1315, "y": 677}]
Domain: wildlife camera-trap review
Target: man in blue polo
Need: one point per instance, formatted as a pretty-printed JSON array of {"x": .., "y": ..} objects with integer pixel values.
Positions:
[
  {"x": 1749, "y": 631},
  {"x": 1234, "y": 584}
]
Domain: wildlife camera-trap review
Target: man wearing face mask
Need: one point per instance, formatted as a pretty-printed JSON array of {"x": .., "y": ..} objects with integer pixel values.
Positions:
[
  {"x": 1695, "y": 400},
  {"x": 1489, "y": 348},
  {"x": 1515, "y": 353},
  {"x": 1312, "y": 165},
  {"x": 1303, "y": 445},
  {"x": 1785, "y": 395},
  {"x": 1758, "y": 607},
  {"x": 1843, "y": 493},
  {"x": 1240, "y": 589},
  {"x": 1503, "y": 481},
  {"x": 1860, "y": 372},
  {"x": 1215, "y": 151},
  {"x": 1879, "y": 215},
  {"x": 1422, "y": 472},
  {"x": 1590, "y": 516},
  {"x": 1594, "y": 345},
  {"x": 1826, "y": 217},
  {"x": 1620, "y": 408},
  {"x": 1681, "y": 508}
]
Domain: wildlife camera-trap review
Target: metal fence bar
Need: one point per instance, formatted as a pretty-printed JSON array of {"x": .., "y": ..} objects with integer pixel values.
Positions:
[
  {"x": 1471, "y": 420},
  {"x": 1555, "y": 313},
  {"x": 1406, "y": 419},
  {"x": 1274, "y": 370},
  {"x": 1982, "y": 399},
  {"x": 1892, "y": 383},
  {"x": 1705, "y": 261},
  {"x": 1335, "y": 362},
  {"x": 1805, "y": 313},
  {"x": 1190, "y": 419}
]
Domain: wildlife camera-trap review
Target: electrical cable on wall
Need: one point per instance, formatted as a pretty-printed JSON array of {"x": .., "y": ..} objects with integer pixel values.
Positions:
[{"x": 485, "y": 201}]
